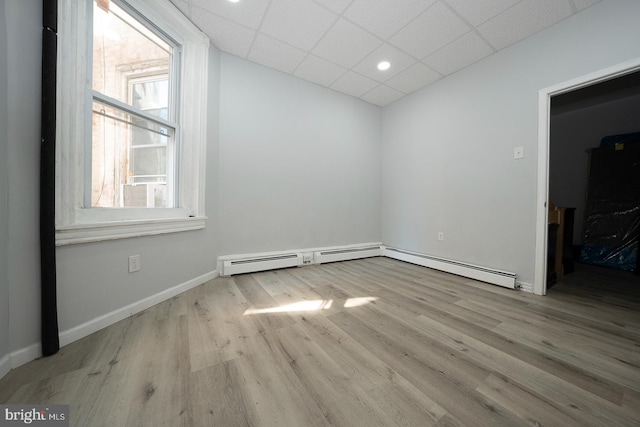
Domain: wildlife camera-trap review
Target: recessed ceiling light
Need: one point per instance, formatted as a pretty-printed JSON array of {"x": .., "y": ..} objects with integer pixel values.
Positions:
[
  {"x": 234, "y": 1},
  {"x": 384, "y": 65}
]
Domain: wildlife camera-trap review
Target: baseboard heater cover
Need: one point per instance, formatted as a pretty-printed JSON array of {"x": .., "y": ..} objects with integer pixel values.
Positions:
[
  {"x": 250, "y": 265},
  {"x": 322, "y": 257},
  {"x": 483, "y": 274}
]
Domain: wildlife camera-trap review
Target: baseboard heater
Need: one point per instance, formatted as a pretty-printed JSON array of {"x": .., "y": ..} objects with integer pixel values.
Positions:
[
  {"x": 483, "y": 274},
  {"x": 250, "y": 265},
  {"x": 322, "y": 257}
]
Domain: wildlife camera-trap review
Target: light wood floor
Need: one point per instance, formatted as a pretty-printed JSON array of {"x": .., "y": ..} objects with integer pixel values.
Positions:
[{"x": 372, "y": 342}]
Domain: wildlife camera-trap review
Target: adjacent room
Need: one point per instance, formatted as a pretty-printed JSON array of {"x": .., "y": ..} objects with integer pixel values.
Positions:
[{"x": 321, "y": 212}]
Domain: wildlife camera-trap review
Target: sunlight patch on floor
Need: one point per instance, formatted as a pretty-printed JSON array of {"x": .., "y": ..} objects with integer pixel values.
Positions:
[{"x": 313, "y": 305}]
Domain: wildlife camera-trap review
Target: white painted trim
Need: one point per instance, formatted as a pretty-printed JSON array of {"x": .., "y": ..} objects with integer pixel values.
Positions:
[
  {"x": 5, "y": 365},
  {"x": 483, "y": 274},
  {"x": 544, "y": 111},
  {"x": 85, "y": 233},
  {"x": 25, "y": 355},
  {"x": 87, "y": 328},
  {"x": 525, "y": 287}
]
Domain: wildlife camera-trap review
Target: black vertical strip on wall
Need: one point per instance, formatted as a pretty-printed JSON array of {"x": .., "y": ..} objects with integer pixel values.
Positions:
[{"x": 49, "y": 305}]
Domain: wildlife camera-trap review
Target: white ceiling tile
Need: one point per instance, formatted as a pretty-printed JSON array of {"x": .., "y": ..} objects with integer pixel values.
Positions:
[
  {"x": 338, "y": 43},
  {"x": 225, "y": 35},
  {"x": 523, "y": 20},
  {"x": 413, "y": 78},
  {"x": 247, "y": 13},
  {"x": 183, "y": 6},
  {"x": 354, "y": 84},
  {"x": 383, "y": 17},
  {"x": 275, "y": 54},
  {"x": 319, "y": 71},
  {"x": 583, "y": 4},
  {"x": 337, "y": 6},
  {"x": 382, "y": 95},
  {"x": 346, "y": 44},
  {"x": 399, "y": 62},
  {"x": 300, "y": 23},
  {"x": 433, "y": 29},
  {"x": 460, "y": 53},
  {"x": 477, "y": 12}
]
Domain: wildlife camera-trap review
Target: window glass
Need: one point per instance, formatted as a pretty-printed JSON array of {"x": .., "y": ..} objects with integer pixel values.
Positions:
[
  {"x": 123, "y": 48},
  {"x": 127, "y": 150},
  {"x": 133, "y": 134}
]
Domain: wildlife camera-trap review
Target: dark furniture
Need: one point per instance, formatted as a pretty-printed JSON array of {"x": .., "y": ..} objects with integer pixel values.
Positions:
[{"x": 612, "y": 222}]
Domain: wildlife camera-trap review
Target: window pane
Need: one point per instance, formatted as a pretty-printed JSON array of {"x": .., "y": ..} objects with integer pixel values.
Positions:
[
  {"x": 151, "y": 96},
  {"x": 129, "y": 159},
  {"x": 123, "y": 49}
]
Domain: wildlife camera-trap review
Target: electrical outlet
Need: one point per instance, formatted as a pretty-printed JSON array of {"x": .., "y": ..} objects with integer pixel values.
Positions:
[
  {"x": 440, "y": 236},
  {"x": 134, "y": 263},
  {"x": 306, "y": 258}
]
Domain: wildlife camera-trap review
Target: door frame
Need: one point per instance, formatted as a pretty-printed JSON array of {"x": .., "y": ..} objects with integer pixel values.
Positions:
[{"x": 544, "y": 112}]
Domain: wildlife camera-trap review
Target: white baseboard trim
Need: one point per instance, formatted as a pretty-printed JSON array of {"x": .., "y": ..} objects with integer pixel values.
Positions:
[
  {"x": 94, "y": 325},
  {"x": 5, "y": 365},
  {"x": 25, "y": 355},
  {"x": 525, "y": 287},
  {"x": 483, "y": 274}
]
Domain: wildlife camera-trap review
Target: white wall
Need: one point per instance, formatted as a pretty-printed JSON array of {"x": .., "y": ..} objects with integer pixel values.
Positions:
[
  {"x": 448, "y": 149},
  {"x": 24, "y": 50},
  {"x": 572, "y": 133},
  {"x": 299, "y": 164},
  {"x": 92, "y": 278},
  {"x": 4, "y": 220}
]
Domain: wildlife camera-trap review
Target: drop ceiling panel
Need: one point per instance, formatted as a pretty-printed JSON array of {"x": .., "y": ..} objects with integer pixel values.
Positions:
[
  {"x": 230, "y": 37},
  {"x": 336, "y": 6},
  {"x": 300, "y": 23},
  {"x": 275, "y": 54},
  {"x": 583, "y": 4},
  {"x": 477, "y": 12},
  {"x": 382, "y": 95},
  {"x": 247, "y": 13},
  {"x": 383, "y": 17},
  {"x": 458, "y": 54},
  {"x": 338, "y": 43},
  {"x": 369, "y": 66},
  {"x": 523, "y": 20},
  {"x": 354, "y": 84},
  {"x": 436, "y": 27},
  {"x": 183, "y": 6},
  {"x": 346, "y": 44},
  {"x": 413, "y": 78},
  {"x": 318, "y": 70}
]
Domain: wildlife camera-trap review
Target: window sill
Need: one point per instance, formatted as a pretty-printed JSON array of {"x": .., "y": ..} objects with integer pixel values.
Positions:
[{"x": 98, "y": 232}]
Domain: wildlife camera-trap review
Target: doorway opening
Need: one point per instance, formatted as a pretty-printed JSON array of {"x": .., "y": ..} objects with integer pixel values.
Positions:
[{"x": 562, "y": 101}]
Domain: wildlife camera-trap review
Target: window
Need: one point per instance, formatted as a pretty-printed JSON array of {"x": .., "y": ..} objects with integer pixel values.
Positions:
[
  {"x": 130, "y": 150},
  {"x": 134, "y": 119}
]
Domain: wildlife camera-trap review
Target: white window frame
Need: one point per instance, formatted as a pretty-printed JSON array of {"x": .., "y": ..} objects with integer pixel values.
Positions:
[{"x": 77, "y": 223}]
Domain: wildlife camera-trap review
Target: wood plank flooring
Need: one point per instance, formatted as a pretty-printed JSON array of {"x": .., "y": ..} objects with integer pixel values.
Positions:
[{"x": 372, "y": 342}]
